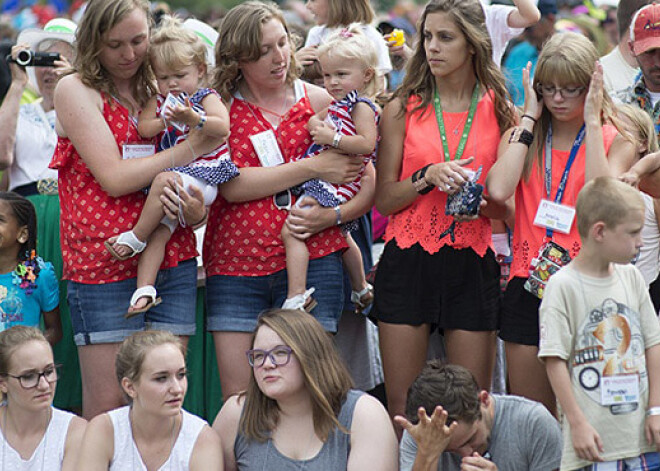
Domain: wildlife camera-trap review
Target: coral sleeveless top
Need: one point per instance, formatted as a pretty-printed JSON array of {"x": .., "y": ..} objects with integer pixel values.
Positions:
[
  {"x": 243, "y": 239},
  {"x": 424, "y": 220},
  {"x": 528, "y": 238},
  {"x": 89, "y": 215}
]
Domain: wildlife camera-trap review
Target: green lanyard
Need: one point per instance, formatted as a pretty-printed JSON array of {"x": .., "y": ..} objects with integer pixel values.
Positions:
[{"x": 466, "y": 127}]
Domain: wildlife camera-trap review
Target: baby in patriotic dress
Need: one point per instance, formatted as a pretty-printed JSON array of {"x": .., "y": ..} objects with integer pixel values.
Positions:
[
  {"x": 349, "y": 63},
  {"x": 178, "y": 58}
]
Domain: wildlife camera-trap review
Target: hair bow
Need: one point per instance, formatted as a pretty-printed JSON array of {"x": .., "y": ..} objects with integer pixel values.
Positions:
[{"x": 345, "y": 33}]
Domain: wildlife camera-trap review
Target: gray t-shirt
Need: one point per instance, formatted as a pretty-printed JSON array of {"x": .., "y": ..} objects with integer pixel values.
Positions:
[{"x": 525, "y": 436}]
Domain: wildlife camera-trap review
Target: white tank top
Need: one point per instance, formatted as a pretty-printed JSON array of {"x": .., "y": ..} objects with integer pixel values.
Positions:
[
  {"x": 127, "y": 456},
  {"x": 48, "y": 455}
]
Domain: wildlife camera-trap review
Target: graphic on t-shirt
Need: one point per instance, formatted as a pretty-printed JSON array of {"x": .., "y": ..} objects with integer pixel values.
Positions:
[
  {"x": 11, "y": 307},
  {"x": 610, "y": 349}
]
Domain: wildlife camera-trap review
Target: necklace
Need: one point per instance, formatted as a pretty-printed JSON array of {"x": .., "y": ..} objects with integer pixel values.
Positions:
[
  {"x": 6, "y": 439},
  {"x": 280, "y": 116},
  {"x": 135, "y": 447}
]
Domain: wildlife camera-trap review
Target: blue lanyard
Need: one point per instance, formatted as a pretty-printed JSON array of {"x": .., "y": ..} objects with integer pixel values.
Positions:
[{"x": 548, "y": 167}]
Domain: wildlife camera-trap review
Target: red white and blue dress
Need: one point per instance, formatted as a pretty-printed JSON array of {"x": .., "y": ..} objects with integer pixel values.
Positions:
[
  {"x": 339, "y": 116},
  {"x": 213, "y": 168}
]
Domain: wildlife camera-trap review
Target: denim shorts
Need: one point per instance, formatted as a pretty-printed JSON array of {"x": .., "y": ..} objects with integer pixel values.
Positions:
[
  {"x": 233, "y": 303},
  {"x": 644, "y": 462},
  {"x": 97, "y": 311}
]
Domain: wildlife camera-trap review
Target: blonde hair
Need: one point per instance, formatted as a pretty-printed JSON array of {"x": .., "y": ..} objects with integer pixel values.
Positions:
[
  {"x": 468, "y": 15},
  {"x": 13, "y": 338},
  {"x": 345, "y": 12},
  {"x": 352, "y": 43},
  {"x": 608, "y": 200},
  {"x": 240, "y": 41},
  {"x": 100, "y": 17},
  {"x": 641, "y": 129},
  {"x": 134, "y": 349},
  {"x": 566, "y": 59},
  {"x": 326, "y": 378},
  {"x": 175, "y": 47}
]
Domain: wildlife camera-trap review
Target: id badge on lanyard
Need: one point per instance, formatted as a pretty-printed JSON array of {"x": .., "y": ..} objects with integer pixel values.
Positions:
[{"x": 553, "y": 216}]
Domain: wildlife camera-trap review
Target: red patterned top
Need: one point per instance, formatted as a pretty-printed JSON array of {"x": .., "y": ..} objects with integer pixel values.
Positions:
[
  {"x": 528, "y": 238},
  {"x": 89, "y": 216},
  {"x": 243, "y": 239},
  {"x": 424, "y": 220}
]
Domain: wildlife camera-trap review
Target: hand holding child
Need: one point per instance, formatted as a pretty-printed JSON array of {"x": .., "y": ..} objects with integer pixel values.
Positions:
[{"x": 587, "y": 442}]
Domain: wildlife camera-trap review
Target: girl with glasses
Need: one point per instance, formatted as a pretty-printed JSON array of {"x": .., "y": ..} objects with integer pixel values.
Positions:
[
  {"x": 561, "y": 142},
  {"x": 299, "y": 410},
  {"x": 153, "y": 432},
  {"x": 33, "y": 434}
]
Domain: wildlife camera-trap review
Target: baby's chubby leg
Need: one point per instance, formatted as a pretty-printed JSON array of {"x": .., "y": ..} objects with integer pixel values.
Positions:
[{"x": 151, "y": 215}]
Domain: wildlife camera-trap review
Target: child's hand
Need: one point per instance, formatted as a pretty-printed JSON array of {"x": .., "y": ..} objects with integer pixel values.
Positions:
[
  {"x": 323, "y": 134},
  {"x": 587, "y": 442},
  {"x": 533, "y": 104},
  {"x": 313, "y": 123},
  {"x": 593, "y": 105},
  {"x": 183, "y": 113},
  {"x": 652, "y": 430},
  {"x": 631, "y": 178},
  {"x": 307, "y": 55}
]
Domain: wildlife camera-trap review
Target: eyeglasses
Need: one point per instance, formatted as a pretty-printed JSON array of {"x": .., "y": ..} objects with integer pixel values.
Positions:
[
  {"x": 565, "y": 92},
  {"x": 280, "y": 356},
  {"x": 282, "y": 200},
  {"x": 31, "y": 380}
]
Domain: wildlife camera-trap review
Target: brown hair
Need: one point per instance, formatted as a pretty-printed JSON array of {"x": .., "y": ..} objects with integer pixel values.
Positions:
[
  {"x": 450, "y": 386},
  {"x": 345, "y": 12},
  {"x": 240, "y": 41},
  {"x": 608, "y": 200},
  {"x": 100, "y": 17},
  {"x": 468, "y": 15},
  {"x": 566, "y": 59},
  {"x": 326, "y": 378},
  {"x": 134, "y": 349}
]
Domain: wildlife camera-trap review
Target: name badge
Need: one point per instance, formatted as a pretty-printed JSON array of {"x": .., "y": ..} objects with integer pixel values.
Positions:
[
  {"x": 620, "y": 389},
  {"x": 137, "y": 151},
  {"x": 267, "y": 149},
  {"x": 555, "y": 216}
]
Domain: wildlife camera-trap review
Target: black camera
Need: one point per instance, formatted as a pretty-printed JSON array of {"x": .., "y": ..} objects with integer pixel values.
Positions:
[{"x": 28, "y": 58}]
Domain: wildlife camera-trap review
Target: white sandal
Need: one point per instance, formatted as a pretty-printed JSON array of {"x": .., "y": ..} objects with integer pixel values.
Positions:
[
  {"x": 130, "y": 240},
  {"x": 356, "y": 298},
  {"x": 303, "y": 302},
  {"x": 147, "y": 291}
]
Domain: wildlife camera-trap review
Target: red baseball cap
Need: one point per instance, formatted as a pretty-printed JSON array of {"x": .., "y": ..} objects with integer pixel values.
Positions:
[{"x": 645, "y": 29}]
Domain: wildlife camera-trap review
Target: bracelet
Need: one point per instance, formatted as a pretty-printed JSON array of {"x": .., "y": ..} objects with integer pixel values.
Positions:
[
  {"x": 206, "y": 214},
  {"x": 522, "y": 136},
  {"x": 338, "y": 216},
  {"x": 419, "y": 182},
  {"x": 202, "y": 121},
  {"x": 529, "y": 117},
  {"x": 652, "y": 411},
  {"x": 336, "y": 140}
]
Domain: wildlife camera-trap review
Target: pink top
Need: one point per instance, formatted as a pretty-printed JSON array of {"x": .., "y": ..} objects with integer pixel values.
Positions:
[
  {"x": 89, "y": 216},
  {"x": 528, "y": 238},
  {"x": 424, "y": 220},
  {"x": 243, "y": 239}
]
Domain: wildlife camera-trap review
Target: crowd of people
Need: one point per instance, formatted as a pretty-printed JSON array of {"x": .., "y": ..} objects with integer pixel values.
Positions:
[{"x": 524, "y": 231}]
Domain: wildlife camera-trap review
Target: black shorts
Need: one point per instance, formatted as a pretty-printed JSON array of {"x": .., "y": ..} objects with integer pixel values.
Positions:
[
  {"x": 520, "y": 314},
  {"x": 450, "y": 289}
]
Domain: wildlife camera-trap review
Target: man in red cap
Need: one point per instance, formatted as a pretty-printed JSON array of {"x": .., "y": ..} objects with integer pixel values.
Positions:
[{"x": 645, "y": 47}]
